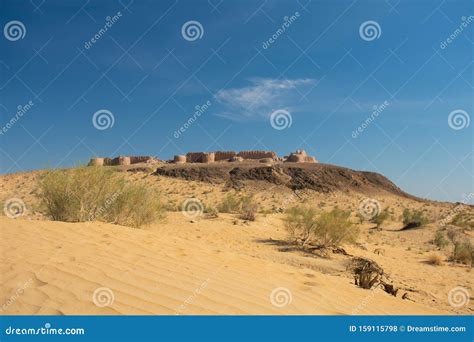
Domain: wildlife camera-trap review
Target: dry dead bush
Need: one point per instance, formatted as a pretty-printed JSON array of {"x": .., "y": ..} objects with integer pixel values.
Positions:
[{"x": 435, "y": 259}]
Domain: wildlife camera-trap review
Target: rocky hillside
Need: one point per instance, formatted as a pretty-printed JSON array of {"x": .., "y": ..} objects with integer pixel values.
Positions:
[{"x": 323, "y": 178}]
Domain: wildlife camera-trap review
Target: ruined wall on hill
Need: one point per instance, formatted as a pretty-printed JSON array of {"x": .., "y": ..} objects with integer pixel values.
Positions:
[
  {"x": 200, "y": 157},
  {"x": 257, "y": 154},
  {"x": 224, "y": 155}
]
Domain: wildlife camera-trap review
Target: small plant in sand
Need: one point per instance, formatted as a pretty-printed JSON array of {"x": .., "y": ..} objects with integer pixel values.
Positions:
[
  {"x": 463, "y": 252},
  {"x": 97, "y": 193},
  {"x": 435, "y": 259},
  {"x": 330, "y": 229},
  {"x": 413, "y": 218},
  {"x": 211, "y": 212},
  {"x": 380, "y": 218},
  {"x": 230, "y": 204},
  {"x": 463, "y": 220},
  {"x": 463, "y": 249},
  {"x": 440, "y": 240},
  {"x": 245, "y": 206},
  {"x": 248, "y": 208}
]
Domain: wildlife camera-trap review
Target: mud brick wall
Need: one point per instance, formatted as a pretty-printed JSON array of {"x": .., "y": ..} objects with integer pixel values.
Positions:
[
  {"x": 200, "y": 157},
  {"x": 257, "y": 154},
  {"x": 224, "y": 155}
]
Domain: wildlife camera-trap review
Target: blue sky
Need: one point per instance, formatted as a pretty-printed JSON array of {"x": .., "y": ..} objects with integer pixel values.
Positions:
[{"x": 323, "y": 70}]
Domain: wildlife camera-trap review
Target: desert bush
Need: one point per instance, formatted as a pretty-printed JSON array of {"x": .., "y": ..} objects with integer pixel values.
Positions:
[
  {"x": 230, "y": 204},
  {"x": 380, "y": 217},
  {"x": 211, "y": 212},
  {"x": 329, "y": 229},
  {"x": 248, "y": 208},
  {"x": 463, "y": 252},
  {"x": 299, "y": 222},
  {"x": 245, "y": 206},
  {"x": 440, "y": 240},
  {"x": 413, "y": 219},
  {"x": 97, "y": 193},
  {"x": 462, "y": 220},
  {"x": 334, "y": 228},
  {"x": 435, "y": 259}
]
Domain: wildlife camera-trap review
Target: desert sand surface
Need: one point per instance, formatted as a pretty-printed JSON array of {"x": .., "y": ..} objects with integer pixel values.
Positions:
[{"x": 223, "y": 265}]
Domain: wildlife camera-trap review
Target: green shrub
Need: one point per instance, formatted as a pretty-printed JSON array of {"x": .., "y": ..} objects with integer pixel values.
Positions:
[
  {"x": 230, "y": 204},
  {"x": 245, "y": 206},
  {"x": 463, "y": 252},
  {"x": 413, "y": 219},
  {"x": 334, "y": 228},
  {"x": 463, "y": 220},
  {"x": 299, "y": 222},
  {"x": 380, "y": 217},
  {"x": 329, "y": 229},
  {"x": 440, "y": 240},
  {"x": 97, "y": 193},
  {"x": 248, "y": 208}
]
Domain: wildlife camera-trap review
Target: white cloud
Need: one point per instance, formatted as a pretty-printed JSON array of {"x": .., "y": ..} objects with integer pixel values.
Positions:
[{"x": 259, "y": 99}]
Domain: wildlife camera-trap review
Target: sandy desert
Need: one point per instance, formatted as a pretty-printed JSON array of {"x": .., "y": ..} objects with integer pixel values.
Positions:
[{"x": 208, "y": 262}]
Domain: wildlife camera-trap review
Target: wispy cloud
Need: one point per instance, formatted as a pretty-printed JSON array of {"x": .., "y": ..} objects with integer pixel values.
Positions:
[{"x": 260, "y": 98}]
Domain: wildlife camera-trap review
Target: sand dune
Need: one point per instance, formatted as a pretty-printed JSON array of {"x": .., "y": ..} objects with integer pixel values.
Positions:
[{"x": 177, "y": 267}]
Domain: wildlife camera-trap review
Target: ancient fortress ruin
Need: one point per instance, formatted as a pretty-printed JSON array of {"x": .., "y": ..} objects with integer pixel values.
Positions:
[{"x": 299, "y": 156}]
